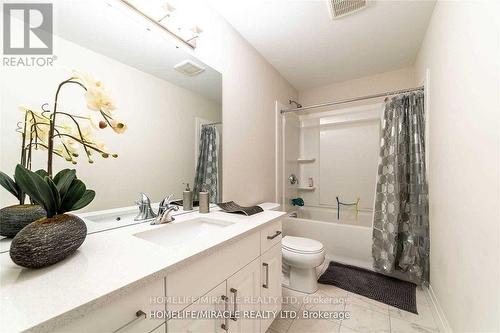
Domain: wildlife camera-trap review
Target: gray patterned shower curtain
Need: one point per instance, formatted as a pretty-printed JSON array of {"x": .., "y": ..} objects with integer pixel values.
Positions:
[
  {"x": 207, "y": 165},
  {"x": 401, "y": 219}
]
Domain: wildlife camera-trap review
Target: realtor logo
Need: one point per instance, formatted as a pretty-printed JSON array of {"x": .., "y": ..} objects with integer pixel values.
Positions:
[{"x": 27, "y": 28}]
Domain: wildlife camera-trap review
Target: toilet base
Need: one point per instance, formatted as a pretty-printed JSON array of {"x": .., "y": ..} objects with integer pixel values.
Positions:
[{"x": 303, "y": 280}]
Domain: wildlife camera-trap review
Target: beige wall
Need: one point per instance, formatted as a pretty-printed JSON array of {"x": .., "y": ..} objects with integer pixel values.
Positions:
[
  {"x": 461, "y": 49},
  {"x": 250, "y": 88},
  {"x": 156, "y": 154},
  {"x": 373, "y": 84}
]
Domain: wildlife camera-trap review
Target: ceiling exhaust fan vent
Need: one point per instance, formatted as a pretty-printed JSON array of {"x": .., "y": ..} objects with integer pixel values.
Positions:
[
  {"x": 188, "y": 67},
  {"x": 341, "y": 8}
]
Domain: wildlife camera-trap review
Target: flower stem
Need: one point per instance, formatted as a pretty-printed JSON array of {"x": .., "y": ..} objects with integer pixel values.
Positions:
[
  {"x": 83, "y": 142},
  {"x": 50, "y": 146},
  {"x": 78, "y": 128}
]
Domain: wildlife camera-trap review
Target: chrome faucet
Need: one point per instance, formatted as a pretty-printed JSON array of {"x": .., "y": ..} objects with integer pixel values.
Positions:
[
  {"x": 165, "y": 211},
  {"x": 166, "y": 216},
  {"x": 145, "y": 210}
]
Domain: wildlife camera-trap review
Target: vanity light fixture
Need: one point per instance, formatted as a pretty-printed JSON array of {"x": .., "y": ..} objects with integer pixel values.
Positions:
[
  {"x": 169, "y": 20},
  {"x": 169, "y": 9}
]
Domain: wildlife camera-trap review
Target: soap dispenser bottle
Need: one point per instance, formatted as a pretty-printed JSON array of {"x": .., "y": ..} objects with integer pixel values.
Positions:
[
  {"x": 204, "y": 200},
  {"x": 187, "y": 198}
]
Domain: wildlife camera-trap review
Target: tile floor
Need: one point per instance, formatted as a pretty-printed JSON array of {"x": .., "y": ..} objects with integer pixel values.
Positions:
[{"x": 366, "y": 315}]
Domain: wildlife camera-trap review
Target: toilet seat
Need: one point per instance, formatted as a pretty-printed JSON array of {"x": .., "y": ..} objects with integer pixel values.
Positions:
[{"x": 301, "y": 245}]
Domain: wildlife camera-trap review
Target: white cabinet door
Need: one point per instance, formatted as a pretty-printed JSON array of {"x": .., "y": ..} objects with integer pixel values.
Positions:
[
  {"x": 271, "y": 284},
  {"x": 198, "y": 278},
  {"x": 243, "y": 290},
  {"x": 214, "y": 300},
  {"x": 129, "y": 313}
]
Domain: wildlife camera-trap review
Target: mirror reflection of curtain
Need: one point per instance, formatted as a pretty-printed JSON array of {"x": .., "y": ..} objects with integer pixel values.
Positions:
[
  {"x": 401, "y": 219},
  {"x": 207, "y": 164}
]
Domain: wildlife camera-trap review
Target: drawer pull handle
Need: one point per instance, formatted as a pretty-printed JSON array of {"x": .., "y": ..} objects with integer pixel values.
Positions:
[
  {"x": 275, "y": 235},
  {"x": 225, "y": 325},
  {"x": 138, "y": 315},
  {"x": 235, "y": 308},
  {"x": 266, "y": 266}
]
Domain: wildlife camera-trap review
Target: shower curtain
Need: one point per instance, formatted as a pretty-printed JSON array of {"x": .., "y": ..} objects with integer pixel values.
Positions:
[
  {"x": 401, "y": 218},
  {"x": 207, "y": 165}
]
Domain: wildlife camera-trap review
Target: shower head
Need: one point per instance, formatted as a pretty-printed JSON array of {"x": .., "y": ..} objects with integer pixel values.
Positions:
[{"x": 297, "y": 105}]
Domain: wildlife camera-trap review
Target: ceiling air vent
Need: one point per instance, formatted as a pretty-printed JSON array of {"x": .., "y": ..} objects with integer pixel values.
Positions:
[
  {"x": 189, "y": 68},
  {"x": 341, "y": 8}
]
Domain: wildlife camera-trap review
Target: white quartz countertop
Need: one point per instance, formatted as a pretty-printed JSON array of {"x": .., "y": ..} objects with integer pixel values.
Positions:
[{"x": 105, "y": 265}]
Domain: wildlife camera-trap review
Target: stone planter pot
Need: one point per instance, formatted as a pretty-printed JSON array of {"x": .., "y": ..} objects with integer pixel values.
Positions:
[
  {"x": 14, "y": 218},
  {"x": 47, "y": 241}
]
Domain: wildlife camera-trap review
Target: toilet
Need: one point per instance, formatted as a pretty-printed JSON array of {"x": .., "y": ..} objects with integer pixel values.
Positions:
[{"x": 301, "y": 256}]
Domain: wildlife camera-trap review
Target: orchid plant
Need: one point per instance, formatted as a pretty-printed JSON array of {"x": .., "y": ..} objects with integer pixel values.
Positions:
[{"x": 62, "y": 133}]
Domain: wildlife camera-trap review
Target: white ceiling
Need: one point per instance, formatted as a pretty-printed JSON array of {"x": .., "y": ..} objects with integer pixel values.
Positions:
[
  {"x": 309, "y": 49},
  {"x": 107, "y": 27}
]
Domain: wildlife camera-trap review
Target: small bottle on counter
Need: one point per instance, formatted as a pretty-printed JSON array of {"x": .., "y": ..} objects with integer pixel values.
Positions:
[
  {"x": 311, "y": 182},
  {"x": 204, "y": 200},
  {"x": 187, "y": 198}
]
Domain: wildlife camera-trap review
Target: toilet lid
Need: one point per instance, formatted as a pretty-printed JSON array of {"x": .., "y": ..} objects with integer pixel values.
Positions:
[{"x": 301, "y": 244}]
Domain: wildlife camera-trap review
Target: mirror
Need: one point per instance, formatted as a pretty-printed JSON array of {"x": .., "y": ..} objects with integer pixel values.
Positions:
[{"x": 167, "y": 112}]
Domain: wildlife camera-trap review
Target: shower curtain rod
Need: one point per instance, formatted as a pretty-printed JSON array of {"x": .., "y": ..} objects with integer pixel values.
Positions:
[{"x": 342, "y": 101}]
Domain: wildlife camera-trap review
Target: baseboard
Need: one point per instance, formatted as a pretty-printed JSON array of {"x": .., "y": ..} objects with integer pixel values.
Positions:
[{"x": 437, "y": 312}]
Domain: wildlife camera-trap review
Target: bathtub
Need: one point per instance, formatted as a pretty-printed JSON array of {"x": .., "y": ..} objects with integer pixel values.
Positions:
[{"x": 347, "y": 240}]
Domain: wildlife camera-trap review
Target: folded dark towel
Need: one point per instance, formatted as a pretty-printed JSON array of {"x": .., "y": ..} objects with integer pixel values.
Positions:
[{"x": 232, "y": 207}]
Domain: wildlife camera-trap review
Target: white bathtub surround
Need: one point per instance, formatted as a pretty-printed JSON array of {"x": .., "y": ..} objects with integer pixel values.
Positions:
[
  {"x": 107, "y": 266},
  {"x": 366, "y": 315},
  {"x": 341, "y": 147}
]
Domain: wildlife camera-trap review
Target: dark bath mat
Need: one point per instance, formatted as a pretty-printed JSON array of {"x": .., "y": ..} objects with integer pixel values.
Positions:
[{"x": 385, "y": 289}]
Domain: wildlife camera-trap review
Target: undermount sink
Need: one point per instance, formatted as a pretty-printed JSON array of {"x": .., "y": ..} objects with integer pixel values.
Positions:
[
  {"x": 115, "y": 218},
  {"x": 181, "y": 232},
  {"x": 123, "y": 216}
]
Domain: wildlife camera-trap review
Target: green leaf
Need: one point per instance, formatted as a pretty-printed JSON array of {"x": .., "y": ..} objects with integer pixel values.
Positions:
[
  {"x": 73, "y": 195},
  {"x": 55, "y": 192},
  {"x": 87, "y": 198},
  {"x": 34, "y": 185},
  {"x": 9, "y": 184},
  {"x": 63, "y": 180},
  {"x": 42, "y": 173}
]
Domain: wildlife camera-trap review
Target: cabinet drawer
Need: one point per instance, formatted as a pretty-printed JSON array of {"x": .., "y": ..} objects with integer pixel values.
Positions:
[
  {"x": 270, "y": 236},
  {"x": 117, "y": 314},
  {"x": 185, "y": 285}
]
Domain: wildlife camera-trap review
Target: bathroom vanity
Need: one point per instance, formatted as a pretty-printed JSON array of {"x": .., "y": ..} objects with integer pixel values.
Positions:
[{"x": 131, "y": 279}]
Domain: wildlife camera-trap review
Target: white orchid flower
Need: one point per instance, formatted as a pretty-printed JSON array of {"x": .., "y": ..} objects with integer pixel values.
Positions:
[
  {"x": 99, "y": 100},
  {"x": 118, "y": 126}
]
